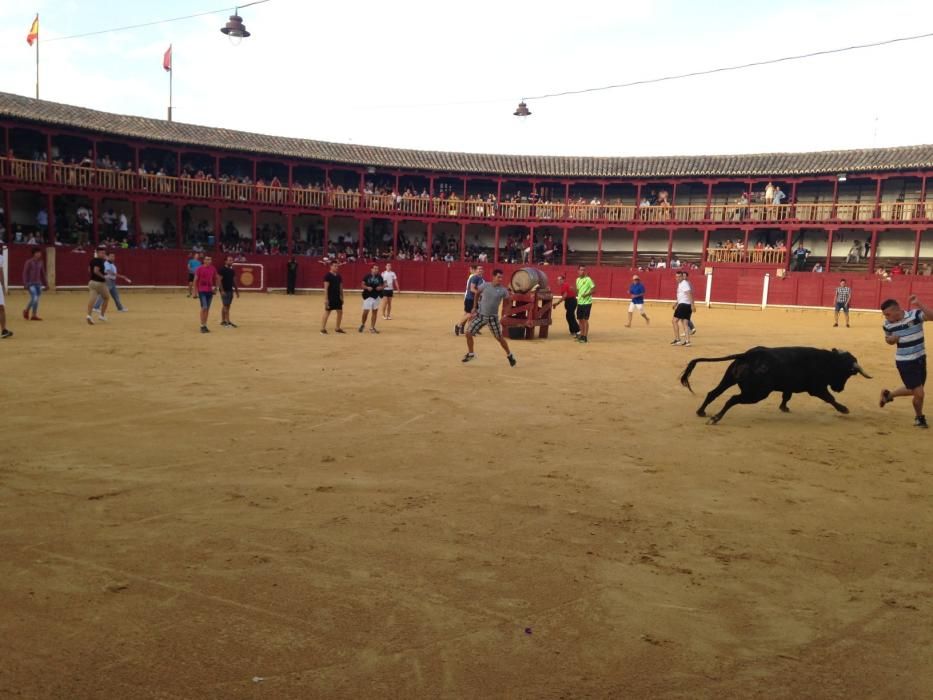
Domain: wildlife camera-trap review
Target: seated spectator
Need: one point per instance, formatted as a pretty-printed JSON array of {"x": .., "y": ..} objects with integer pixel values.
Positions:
[
  {"x": 897, "y": 269},
  {"x": 818, "y": 267},
  {"x": 855, "y": 252}
]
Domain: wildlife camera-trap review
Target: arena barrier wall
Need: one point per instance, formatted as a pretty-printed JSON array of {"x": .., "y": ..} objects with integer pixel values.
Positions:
[{"x": 730, "y": 285}]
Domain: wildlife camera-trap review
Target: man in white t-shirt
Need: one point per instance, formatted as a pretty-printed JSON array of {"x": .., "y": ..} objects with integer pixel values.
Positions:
[
  {"x": 4, "y": 333},
  {"x": 390, "y": 280},
  {"x": 683, "y": 310}
]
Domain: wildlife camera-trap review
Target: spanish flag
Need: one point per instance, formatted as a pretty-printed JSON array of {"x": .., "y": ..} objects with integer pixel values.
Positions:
[
  {"x": 167, "y": 59},
  {"x": 33, "y": 31}
]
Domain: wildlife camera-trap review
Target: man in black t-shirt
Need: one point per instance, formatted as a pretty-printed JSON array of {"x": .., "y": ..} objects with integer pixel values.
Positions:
[
  {"x": 333, "y": 298},
  {"x": 372, "y": 295},
  {"x": 227, "y": 289},
  {"x": 97, "y": 286},
  {"x": 291, "y": 275}
]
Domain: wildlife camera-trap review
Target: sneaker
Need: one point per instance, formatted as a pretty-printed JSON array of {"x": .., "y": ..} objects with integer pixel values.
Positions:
[
  {"x": 123, "y": 310},
  {"x": 231, "y": 324},
  {"x": 693, "y": 331},
  {"x": 511, "y": 359},
  {"x": 835, "y": 325},
  {"x": 205, "y": 329},
  {"x": 90, "y": 321},
  {"x": 35, "y": 318},
  {"x": 323, "y": 331},
  {"x": 339, "y": 330},
  {"x": 469, "y": 356},
  {"x": 6, "y": 333},
  {"x": 677, "y": 342},
  {"x": 373, "y": 330},
  {"x": 920, "y": 422},
  {"x": 685, "y": 343},
  {"x": 101, "y": 317},
  {"x": 388, "y": 318},
  {"x": 457, "y": 329},
  {"x": 95, "y": 310},
  {"x": 885, "y": 398},
  {"x": 360, "y": 329},
  {"x": 223, "y": 323}
]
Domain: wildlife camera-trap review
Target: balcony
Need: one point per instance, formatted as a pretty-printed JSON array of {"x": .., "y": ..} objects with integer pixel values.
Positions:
[{"x": 115, "y": 182}]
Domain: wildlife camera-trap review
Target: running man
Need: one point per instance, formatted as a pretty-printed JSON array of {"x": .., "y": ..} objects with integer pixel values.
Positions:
[
  {"x": 585, "y": 287},
  {"x": 97, "y": 286},
  {"x": 905, "y": 329},
  {"x": 4, "y": 333},
  {"x": 333, "y": 297},
  {"x": 372, "y": 293},
  {"x": 194, "y": 262},
  {"x": 843, "y": 296},
  {"x": 34, "y": 280},
  {"x": 474, "y": 283},
  {"x": 206, "y": 281},
  {"x": 112, "y": 274},
  {"x": 568, "y": 295},
  {"x": 683, "y": 310},
  {"x": 388, "y": 291},
  {"x": 637, "y": 292},
  {"x": 488, "y": 299},
  {"x": 227, "y": 289}
]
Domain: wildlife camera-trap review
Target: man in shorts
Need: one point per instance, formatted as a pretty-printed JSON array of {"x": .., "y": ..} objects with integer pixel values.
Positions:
[
  {"x": 843, "y": 296},
  {"x": 194, "y": 262},
  {"x": 372, "y": 296},
  {"x": 637, "y": 291},
  {"x": 206, "y": 281},
  {"x": 388, "y": 291},
  {"x": 488, "y": 299},
  {"x": 474, "y": 283},
  {"x": 585, "y": 287},
  {"x": 97, "y": 285},
  {"x": 227, "y": 289},
  {"x": 568, "y": 295},
  {"x": 905, "y": 329},
  {"x": 4, "y": 332},
  {"x": 333, "y": 297},
  {"x": 683, "y": 310}
]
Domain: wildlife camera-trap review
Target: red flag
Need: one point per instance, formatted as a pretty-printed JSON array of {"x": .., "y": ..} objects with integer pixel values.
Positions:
[
  {"x": 33, "y": 31},
  {"x": 167, "y": 59}
]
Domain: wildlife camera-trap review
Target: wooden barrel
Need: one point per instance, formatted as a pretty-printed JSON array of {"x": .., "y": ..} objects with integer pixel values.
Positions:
[{"x": 526, "y": 278}]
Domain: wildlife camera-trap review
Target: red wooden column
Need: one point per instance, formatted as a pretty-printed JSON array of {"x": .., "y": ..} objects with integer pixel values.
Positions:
[
  {"x": 95, "y": 211},
  {"x": 8, "y": 212},
  {"x": 218, "y": 231},
  {"x": 599, "y": 245},
  {"x": 832, "y": 214},
  {"x": 670, "y": 244},
  {"x": 531, "y": 246},
  {"x": 709, "y": 204},
  {"x": 787, "y": 243},
  {"x": 359, "y": 243},
  {"x": 876, "y": 211},
  {"x": 51, "y": 212},
  {"x": 635, "y": 216},
  {"x": 873, "y": 252},
  {"x": 394, "y": 238},
  {"x": 255, "y": 169},
  {"x": 254, "y": 224},
  {"x": 48, "y": 160},
  {"x": 793, "y": 200},
  {"x": 563, "y": 251},
  {"x": 462, "y": 242},
  {"x": 917, "y": 234},
  {"x": 495, "y": 253},
  {"x": 829, "y": 249},
  {"x": 705, "y": 247},
  {"x": 922, "y": 213},
  {"x": 289, "y": 223}
]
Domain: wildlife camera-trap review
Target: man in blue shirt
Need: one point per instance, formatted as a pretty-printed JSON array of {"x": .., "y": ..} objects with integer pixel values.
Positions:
[
  {"x": 905, "y": 329},
  {"x": 637, "y": 291},
  {"x": 194, "y": 262},
  {"x": 474, "y": 284}
]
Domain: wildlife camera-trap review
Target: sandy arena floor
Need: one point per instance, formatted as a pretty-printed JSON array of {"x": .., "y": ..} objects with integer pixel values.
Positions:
[{"x": 270, "y": 513}]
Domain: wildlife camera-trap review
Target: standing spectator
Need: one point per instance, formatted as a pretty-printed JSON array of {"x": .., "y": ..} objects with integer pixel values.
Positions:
[
  {"x": 905, "y": 329},
  {"x": 488, "y": 298},
  {"x": 333, "y": 298},
  {"x": 372, "y": 293},
  {"x": 388, "y": 291},
  {"x": 97, "y": 285},
  {"x": 474, "y": 283},
  {"x": 123, "y": 227},
  {"x": 769, "y": 193},
  {"x": 227, "y": 289},
  {"x": 585, "y": 287},
  {"x": 34, "y": 280},
  {"x": 42, "y": 220},
  {"x": 194, "y": 262},
  {"x": 206, "y": 281},
  {"x": 855, "y": 252},
  {"x": 843, "y": 296},
  {"x": 637, "y": 291},
  {"x": 800, "y": 257},
  {"x": 683, "y": 310},
  {"x": 291, "y": 275},
  {"x": 568, "y": 295},
  {"x": 867, "y": 247},
  {"x": 4, "y": 332},
  {"x": 112, "y": 274}
]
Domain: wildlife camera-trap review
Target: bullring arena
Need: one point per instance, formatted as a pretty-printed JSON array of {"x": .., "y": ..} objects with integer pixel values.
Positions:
[{"x": 268, "y": 512}]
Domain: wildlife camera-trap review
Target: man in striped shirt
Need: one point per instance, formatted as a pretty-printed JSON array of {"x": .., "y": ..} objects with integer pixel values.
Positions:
[
  {"x": 843, "y": 295},
  {"x": 905, "y": 329}
]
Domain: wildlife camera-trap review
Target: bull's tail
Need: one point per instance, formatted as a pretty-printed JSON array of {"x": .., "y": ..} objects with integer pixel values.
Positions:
[{"x": 685, "y": 377}]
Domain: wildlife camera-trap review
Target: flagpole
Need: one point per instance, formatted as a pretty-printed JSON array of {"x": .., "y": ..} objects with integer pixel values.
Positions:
[
  {"x": 37, "y": 59},
  {"x": 171, "y": 74}
]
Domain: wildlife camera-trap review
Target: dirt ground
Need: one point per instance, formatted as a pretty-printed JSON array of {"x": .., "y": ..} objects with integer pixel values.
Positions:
[{"x": 267, "y": 512}]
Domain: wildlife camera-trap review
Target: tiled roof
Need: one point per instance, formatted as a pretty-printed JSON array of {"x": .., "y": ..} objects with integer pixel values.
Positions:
[{"x": 16, "y": 107}]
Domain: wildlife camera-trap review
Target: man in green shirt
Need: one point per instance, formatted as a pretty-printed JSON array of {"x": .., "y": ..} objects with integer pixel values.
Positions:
[{"x": 585, "y": 287}]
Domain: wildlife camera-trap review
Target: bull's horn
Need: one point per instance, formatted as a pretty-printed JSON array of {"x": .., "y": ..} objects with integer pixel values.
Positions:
[{"x": 859, "y": 369}]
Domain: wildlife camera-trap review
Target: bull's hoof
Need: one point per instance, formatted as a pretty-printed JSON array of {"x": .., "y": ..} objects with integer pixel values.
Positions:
[
  {"x": 842, "y": 409},
  {"x": 701, "y": 413},
  {"x": 784, "y": 409},
  {"x": 713, "y": 421}
]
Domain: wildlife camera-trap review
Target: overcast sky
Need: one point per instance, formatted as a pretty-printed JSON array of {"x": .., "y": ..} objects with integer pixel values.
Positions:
[{"x": 392, "y": 74}]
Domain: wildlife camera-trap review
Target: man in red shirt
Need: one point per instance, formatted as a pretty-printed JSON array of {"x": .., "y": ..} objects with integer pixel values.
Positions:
[
  {"x": 206, "y": 281},
  {"x": 568, "y": 295}
]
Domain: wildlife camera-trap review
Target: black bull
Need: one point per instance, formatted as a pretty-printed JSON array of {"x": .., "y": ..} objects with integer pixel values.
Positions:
[{"x": 794, "y": 370}]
